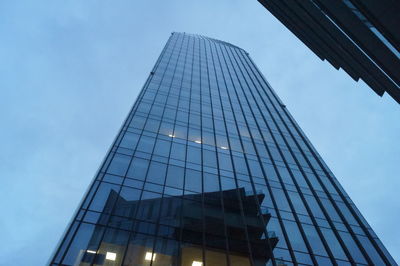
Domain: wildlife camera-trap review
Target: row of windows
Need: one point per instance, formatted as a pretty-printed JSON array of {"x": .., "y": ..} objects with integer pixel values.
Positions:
[
  {"x": 317, "y": 166},
  {"x": 173, "y": 180},
  {"x": 226, "y": 131},
  {"x": 162, "y": 147},
  {"x": 157, "y": 173},
  {"x": 377, "y": 257},
  {"x": 171, "y": 101},
  {"x": 129, "y": 194},
  {"x": 102, "y": 195},
  {"x": 221, "y": 142}
]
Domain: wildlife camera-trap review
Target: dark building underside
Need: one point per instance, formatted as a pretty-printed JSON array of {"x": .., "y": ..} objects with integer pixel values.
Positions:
[{"x": 360, "y": 36}]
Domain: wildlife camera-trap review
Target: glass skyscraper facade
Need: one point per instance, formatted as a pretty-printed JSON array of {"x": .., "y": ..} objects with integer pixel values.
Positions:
[{"x": 209, "y": 168}]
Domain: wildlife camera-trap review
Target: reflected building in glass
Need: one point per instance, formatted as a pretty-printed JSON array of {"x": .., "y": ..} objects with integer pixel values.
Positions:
[{"x": 209, "y": 168}]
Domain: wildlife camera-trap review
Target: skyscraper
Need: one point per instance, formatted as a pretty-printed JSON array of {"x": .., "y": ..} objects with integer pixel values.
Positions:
[
  {"x": 209, "y": 168},
  {"x": 360, "y": 36}
]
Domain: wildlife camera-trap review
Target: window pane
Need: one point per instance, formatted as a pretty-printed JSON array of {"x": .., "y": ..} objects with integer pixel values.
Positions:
[
  {"x": 175, "y": 176},
  {"x": 113, "y": 245},
  {"x": 296, "y": 240},
  {"x": 193, "y": 180},
  {"x": 193, "y": 155},
  {"x": 178, "y": 151},
  {"x": 105, "y": 197},
  {"x": 280, "y": 199},
  {"x": 119, "y": 164},
  {"x": 314, "y": 240},
  {"x": 333, "y": 244},
  {"x": 138, "y": 168},
  {"x": 138, "y": 247},
  {"x": 127, "y": 202},
  {"x": 156, "y": 173},
  {"x": 297, "y": 203},
  {"x": 146, "y": 144},
  {"x": 224, "y": 161},
  {"x": 240, "y": 165},
  {"x": 129, "y": 140},
  {"x": 209, "y": 158},
  {"x": 83, "y": 241},
  {"x": 371, "y": 251},
  {"x": 211, "y": 182},
  {"x": 162, "y": 148},
  {"x": 352, "y": 247}
]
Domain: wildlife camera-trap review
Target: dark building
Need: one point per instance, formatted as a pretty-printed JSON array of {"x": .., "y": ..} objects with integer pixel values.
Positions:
[
  {"x": 209, "y": 168},
  {"x": 360, "y": 36}
]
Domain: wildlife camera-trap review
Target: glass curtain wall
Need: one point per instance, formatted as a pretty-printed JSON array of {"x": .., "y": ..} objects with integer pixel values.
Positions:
[{"x": 209, "y": 168}]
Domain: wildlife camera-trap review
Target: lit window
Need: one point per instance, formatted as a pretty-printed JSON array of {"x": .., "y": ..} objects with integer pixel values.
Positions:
[
  {"x": 198, "y": 141},
  {"x": 111, "y": 256},
  {"x": 197, "y": 263},
  {"x": 224, "y": 148},
  {"x": 91, "y": 251},
  {"x": 149, "y": 256},
  {"x": 171, "y": 136}
]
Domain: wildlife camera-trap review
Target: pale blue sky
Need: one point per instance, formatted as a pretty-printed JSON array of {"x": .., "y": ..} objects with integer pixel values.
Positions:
[{"x": 70, "y": 71}]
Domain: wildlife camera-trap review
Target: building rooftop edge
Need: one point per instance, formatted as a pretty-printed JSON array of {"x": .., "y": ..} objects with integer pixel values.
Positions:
[{"x": 210, "y": 39}]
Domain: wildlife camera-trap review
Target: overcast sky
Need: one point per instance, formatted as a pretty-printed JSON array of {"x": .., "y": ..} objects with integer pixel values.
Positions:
[{"x": 70, "y": 71}]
